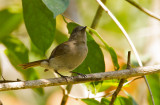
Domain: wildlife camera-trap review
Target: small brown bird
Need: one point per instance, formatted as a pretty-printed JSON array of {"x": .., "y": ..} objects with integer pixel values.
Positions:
[{"x": 66, "y": 56}]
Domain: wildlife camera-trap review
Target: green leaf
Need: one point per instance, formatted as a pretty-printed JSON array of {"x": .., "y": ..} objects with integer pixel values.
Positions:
[
  {"x": 91, "y": 101},
  {"x": 39, "y": 23},
  {"x": 154, "y": 83},
  {"x": 18, "y": 54},
  {"x": 71, "y": 26},
  {"x": 125, "y": 101},
  {"x": 60, "y": 37},
  {"x": 9, "y": 21},
  {"x": 56, "y": 6},
  {"x": 132, "y": 100},
  {"x": 94, "y": 61},
  {"x": 94, "y": 87},
  {"x": 109, "y": 49},
  {"x": 35, "y": 52},
  {"x": 104, "y": 101},
  {"x": 108, "y": 83},
  {"x": 120, "y": 101}
]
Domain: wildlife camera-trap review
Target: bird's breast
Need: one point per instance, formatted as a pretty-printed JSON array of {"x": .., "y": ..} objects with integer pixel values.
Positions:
[{"x": 72, "y": 59}]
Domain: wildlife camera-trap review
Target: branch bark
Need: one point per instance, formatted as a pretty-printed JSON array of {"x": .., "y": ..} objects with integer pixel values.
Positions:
[
  {"x": 144, "y": 10},
  {"x": 140, "y": 71}
]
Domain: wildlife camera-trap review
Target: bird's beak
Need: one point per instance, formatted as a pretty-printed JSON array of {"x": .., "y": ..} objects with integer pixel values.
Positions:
[{"x": 84, "y": 28}]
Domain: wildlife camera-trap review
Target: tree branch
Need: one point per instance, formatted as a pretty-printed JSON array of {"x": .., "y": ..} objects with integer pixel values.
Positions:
[
  {"x": 140, "y": 71},
  {"x": 149, "y": 13}
]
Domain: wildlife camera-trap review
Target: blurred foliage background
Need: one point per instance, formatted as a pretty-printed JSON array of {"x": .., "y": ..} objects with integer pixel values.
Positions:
[{"x": 17, "y": 46}]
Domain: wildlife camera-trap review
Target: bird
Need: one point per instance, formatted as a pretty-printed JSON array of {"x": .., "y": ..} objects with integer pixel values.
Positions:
[{"x": 67, "y": 56}]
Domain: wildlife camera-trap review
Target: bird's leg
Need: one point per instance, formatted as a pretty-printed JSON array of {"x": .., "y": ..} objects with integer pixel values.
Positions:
[
  {"x": 65, "y": 77},
  {"x": 83, "y": 75},
  {"x": 3, "y": 78}
]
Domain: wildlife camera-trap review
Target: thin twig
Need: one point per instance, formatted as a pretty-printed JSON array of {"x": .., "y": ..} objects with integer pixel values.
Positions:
[
  {"x": 65, "y": 96},
  {"x": 129, "y": 60},
  {"x": 140, "y": 71},
  {"x": 114, "y": 96},
  {"x": 129, "y": 41},
  {"x": 150, "y": 92},
  {"x": 97, "y": 16},
  {"x": 120, "y": 85},
  {"x": 144, "y": 10},
  {"x": 132, "y": 80}
]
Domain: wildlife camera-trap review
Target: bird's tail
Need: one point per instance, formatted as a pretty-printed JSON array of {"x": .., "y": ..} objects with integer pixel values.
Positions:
[{"x": 32, "y": 64}]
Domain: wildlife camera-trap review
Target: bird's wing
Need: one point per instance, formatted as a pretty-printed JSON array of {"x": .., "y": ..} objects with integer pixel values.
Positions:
[{"x": 60, "y": 50}]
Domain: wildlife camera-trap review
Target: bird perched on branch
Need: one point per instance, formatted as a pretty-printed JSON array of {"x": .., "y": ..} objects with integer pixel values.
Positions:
[{"x": 66, "y": 56}]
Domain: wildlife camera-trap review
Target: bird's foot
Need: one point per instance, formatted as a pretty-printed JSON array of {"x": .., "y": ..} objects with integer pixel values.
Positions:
[
  {"x": 83, "y": 75},
  {"x": 65, "y": 77}
]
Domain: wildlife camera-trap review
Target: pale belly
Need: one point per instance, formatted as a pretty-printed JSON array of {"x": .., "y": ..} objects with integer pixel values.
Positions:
[{"x": 67, "y": 62}]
